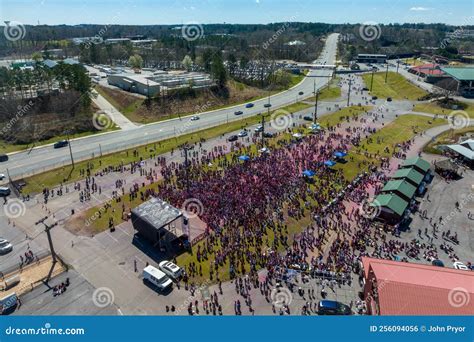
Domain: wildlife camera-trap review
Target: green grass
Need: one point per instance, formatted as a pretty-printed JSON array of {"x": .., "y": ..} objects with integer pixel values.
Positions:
[
  {"x": 57, "y": 176},
  {"x": 331, "y": 92},
  {"x": 128, "y": 111},
  {"x": 397, "y": 86},
  {"x": 433, "y": 108},
  {"x": 383, "y": 143},
  {"x": 448, "y": 137}
]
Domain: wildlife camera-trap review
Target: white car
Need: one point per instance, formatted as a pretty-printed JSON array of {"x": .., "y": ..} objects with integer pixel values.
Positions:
[
  {"x": 460, "y": 266},
  {"x": 5, "y": 246},
  {"x": 242, "y": 134},
  {"x": 170, "y": 269},
  {"x": 194, "y": 118},
  {"x": 2, "y": 176},
  {"x": 156, "y": 277}
]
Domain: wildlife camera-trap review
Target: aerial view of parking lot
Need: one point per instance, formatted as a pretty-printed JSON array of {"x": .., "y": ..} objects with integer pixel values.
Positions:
[{"x": 238, "y": 158}]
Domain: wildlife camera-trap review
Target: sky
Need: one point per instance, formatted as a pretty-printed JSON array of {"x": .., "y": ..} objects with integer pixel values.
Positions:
[{"x": 149, "y": 12}]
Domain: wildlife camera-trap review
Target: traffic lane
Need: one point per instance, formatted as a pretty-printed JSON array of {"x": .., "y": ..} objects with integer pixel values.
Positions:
[{"x": 41, "y": 158}]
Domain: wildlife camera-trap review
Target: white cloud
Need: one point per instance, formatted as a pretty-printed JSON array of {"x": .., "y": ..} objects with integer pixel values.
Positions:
[{"x": 419, "y": 9}]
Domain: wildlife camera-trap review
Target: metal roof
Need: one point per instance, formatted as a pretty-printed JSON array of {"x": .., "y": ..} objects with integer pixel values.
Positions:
[
  {"x": 392, "y": 202},
  {"x": 460, "y": 73},
  {"x": 464, "y": 151},
  {"x": 414, "y": 289},
  {"x": 157, "y": 212},
  {"x": 418, "y": 162},
  {"x": 409, "y": 173},
  {"x": 401, "y": 186}
]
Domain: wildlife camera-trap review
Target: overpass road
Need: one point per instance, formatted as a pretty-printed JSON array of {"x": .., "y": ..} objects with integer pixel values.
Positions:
[{"x": 44, "y": 158}]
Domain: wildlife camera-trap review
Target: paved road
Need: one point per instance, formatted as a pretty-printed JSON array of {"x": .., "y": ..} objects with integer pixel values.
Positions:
[{"x": 45, "y": 157}]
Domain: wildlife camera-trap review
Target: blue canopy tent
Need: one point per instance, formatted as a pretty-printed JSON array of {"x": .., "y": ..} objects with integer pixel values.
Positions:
[
  {"x": 308, "y": 173},
  {"x": 339, "y": 154},
  {"x": 329, "y": 163},
  {"x": 244, "y": 158}
]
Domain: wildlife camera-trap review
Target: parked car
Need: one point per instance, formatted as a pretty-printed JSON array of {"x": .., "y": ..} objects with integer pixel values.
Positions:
[
  {"x": 242, "y": 134},
  {"x": 332, "y": 307},
  {"x": 389, "y": 99},
  {"x": 374, "y": 98},
  {"x": 249, "y": 105},
  {"x": 268, "y": 135},
  {"x": 267, "y": 105},
  {"x": 460, "y": 266},
  {"x": 308, "y": 118},
  {"x": 365, "y": 89},
  {"x": 233, "y": 138},
  {"x": 61, "y": 143},
  {"x": 3, "y": 157},
  {"x": 156, "y": 277},
  {"x": 5, "y": 246},
  {"x": 170, "y": 269},
  {"x": 239, "y": 112},
  {"x": 194, "y": 118},
  {"x": 2, "y": 176},
  {"x": 4, "y": 191},
  {"x": 259, "y": 129},
  {"x": 437, "y": 262}
]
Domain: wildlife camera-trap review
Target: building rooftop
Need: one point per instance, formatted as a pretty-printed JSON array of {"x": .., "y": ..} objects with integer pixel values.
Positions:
[
  {"x": 409, "y": 173},
  {"x": 416, "y": 162},
  {"x": 464, "y": 151},
  {"x": 415, "y": 289},
  {"x": 401, "y": 186},
  {"x": 428, "y": 69},
  {"x": 391, "y": 201},
  {"x": 460, "y": 73},
  {"x": 157, "y": 212}
]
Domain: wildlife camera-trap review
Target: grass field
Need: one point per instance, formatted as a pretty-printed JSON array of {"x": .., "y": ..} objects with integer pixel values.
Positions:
[
  {"x": 331, "y": 92},
  {"x": 54, "y": 177},
  {"x": 397, "y": 86},
  {"x": 383, "y": 143},
  {"x": 433, "y": 108},
  {"x": 449, "y": 137}
]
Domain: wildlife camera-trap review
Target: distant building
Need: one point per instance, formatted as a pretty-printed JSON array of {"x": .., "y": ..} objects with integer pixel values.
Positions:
[
  {"x": 371, "y": 58},
  {"x": 464, "y": 76},
  {"x": 401, "y": 288},
  {"x": 154, "y": 84},
  {"x": 431, "y": 72},
  {"x": 116, "y": 40},
  {"x": 295, "y": 43}
]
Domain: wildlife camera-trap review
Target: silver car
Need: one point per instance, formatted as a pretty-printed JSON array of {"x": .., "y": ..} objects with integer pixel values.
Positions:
[
  {"x": 170, "y": 269},
  {"x": 5, "y": 246}
]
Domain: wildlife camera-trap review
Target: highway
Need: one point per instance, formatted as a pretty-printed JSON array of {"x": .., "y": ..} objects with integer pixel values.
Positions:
[{"x": 45, "y": 158}]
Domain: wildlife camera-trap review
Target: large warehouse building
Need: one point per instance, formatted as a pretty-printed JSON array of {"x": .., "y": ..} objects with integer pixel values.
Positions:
[{"x": 158, "y": 82}]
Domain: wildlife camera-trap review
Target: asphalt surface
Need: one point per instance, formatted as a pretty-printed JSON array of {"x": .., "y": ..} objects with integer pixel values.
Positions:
[{"x": 44, "y": 158}]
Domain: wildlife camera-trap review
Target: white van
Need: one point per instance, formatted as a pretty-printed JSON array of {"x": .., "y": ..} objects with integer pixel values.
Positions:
[{"x": 156, "y": 277}]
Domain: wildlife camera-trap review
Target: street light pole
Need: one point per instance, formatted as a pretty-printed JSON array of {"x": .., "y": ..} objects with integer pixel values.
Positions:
[
  {"x": 386, "y": 74},
  {"x": 70, "y": 148},
  {"x": 372, "y": 80}
]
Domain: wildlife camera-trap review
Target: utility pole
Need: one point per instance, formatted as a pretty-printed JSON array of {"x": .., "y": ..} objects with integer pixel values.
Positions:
[
  {"x": 316, "y": 95},
  {"x": 386, "y": 74},
  {"x": 349, "y": 93},
  {"x": 47, "y": 229},
  {"x": 372, "y": 80},
  {"x": 398, "y": 65},
  {"x": 70, "y": 149}
]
